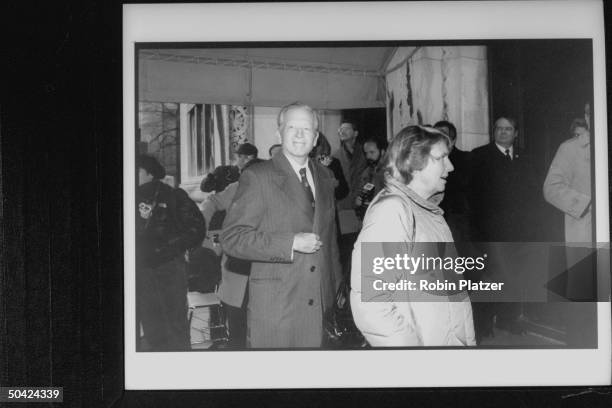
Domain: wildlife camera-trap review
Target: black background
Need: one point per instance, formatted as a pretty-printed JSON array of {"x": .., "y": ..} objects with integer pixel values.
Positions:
[{"x": 61, "y": 288}]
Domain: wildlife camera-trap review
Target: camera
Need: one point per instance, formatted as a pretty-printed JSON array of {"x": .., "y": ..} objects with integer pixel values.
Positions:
[{"x": 366, "y": 195}]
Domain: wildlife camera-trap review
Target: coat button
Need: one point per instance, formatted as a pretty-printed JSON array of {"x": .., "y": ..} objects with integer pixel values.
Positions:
[
  {"x": 310, "y": 302},
  {"x": 312, "y": 268}
]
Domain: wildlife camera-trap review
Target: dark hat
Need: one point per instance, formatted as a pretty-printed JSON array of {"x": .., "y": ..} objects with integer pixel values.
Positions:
[
  {"x": 220, "y": 178},
  {"x": 247, "y": 149},
  {"x": 151, "y": 166}
]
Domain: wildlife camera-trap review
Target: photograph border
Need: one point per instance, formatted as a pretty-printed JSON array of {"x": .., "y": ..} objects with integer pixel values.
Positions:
[{"x": 136, "y": 30}]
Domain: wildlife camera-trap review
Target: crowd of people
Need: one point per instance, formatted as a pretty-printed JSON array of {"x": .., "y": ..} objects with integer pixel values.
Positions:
[{"x": 283, "y": 257}]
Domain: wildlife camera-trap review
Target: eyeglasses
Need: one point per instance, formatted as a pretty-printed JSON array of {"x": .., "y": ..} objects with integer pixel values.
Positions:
[{"x": 507, "y": 128}]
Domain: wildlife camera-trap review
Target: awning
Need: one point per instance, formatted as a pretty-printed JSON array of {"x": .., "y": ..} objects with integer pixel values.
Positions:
[{"x": 326, "y": 78}]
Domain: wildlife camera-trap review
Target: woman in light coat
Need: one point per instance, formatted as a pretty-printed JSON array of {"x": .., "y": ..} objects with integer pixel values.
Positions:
[
  {"x": 568, "y": 183},
  {"x": 403, "y": 214},
  {"x": 568, "y": 187}
]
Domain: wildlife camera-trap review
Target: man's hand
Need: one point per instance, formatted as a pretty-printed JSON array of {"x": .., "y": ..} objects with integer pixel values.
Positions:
[
  {"x": 306, "y": 242},
  {"x": 358, "y": 201}
]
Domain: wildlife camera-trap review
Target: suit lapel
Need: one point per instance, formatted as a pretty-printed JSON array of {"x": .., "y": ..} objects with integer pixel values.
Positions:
[
  {"x": 322, "y": 195},
  {"x": 496, "y": 152},
  {"x": 288, "y": 183}
]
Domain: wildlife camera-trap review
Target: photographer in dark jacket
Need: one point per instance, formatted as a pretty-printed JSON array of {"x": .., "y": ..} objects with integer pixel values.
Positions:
[
  {"x": 371, "y": 179},
  {"x": 167, "y": 223}
]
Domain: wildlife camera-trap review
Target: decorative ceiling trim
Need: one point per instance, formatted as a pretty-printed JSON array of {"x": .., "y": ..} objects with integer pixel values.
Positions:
[{"x": 250, "y": 64}]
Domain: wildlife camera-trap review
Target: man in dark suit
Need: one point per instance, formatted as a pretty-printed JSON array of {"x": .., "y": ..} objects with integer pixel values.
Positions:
[
  {"x": 283, "y": 220},
  {"x": 502, "y": 196},
  {"x": 502, "y": 187}
]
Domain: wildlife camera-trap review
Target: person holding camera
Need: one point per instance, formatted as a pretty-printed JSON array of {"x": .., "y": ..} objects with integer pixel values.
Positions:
[
  {"x": 371, "y": 179},
  {"x": 168, "y": 223}
]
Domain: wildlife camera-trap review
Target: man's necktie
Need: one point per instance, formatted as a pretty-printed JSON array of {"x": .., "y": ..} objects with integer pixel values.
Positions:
[
  {"x": 306, "y": 186},
  {"x": 508, "y": 155}
]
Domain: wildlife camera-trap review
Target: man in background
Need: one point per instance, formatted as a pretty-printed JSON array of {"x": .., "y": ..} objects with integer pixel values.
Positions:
[
  {"x": 371, "y": 179},
  {"x": 352, "y": 159},
  {"x": 502, "y": 187},
  {"x": 502, "y": 197}
]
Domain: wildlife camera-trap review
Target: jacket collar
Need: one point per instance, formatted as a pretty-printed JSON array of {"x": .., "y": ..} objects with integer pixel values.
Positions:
[
  {"x": 431, "y": 204},
  {"x": 287, "y": 181},
  {"x": 283, "y": 167}
]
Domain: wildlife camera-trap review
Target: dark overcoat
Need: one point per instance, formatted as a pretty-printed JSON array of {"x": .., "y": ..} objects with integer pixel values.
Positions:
[
  {"x": 287, "y": 295},
  {"x": 502, "y": 193}
]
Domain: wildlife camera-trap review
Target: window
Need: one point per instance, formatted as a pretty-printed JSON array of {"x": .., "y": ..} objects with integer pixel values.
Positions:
[
  {"x": 211, "y": 136},
  {"x": 158, "y": 127}
]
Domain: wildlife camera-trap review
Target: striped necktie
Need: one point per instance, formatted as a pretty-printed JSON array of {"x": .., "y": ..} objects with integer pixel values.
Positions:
[{"x": 306, "y": 186}]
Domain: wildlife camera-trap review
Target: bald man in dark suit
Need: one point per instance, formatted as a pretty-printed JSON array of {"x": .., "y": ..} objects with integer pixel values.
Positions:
[
  {"x": 283, "y": 220},
  {"x": 502, "y": 199},
  {"x": 502, "y": 188}
]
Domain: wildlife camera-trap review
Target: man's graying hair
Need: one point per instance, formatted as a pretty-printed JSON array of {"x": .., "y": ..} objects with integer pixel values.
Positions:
[
  {"x": 510, "y": 119},
  {"x": 295, "y": 105}
]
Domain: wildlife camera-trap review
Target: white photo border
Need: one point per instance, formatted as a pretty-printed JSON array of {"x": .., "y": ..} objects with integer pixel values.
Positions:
[{"x": 369, "y": 21}]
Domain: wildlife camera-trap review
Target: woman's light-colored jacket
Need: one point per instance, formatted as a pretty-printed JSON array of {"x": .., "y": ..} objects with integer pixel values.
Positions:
[{"x": 399, "y": 215}]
